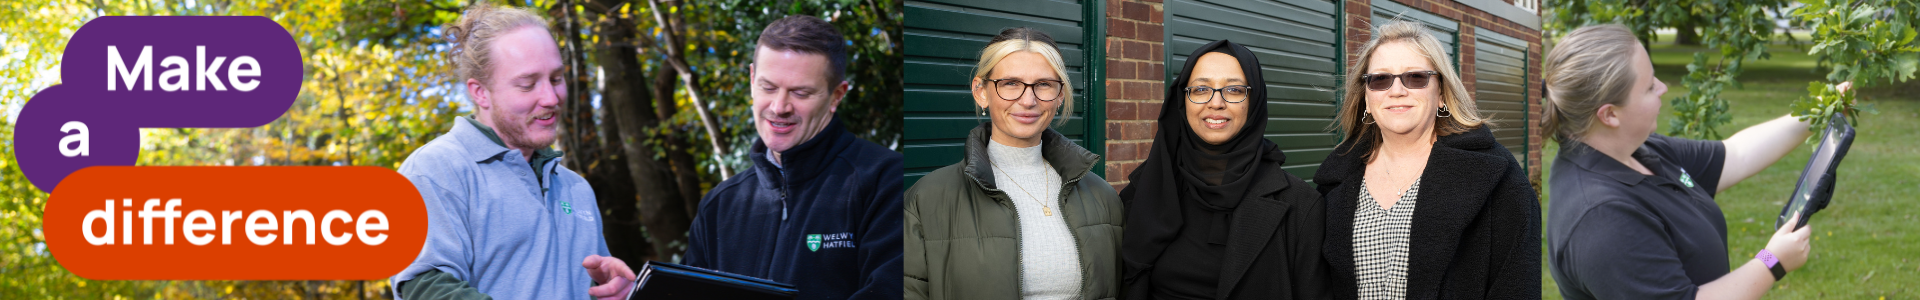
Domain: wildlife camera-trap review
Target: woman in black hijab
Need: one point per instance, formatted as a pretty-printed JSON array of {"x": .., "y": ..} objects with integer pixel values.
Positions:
[{"x": 1210, "y": 213}]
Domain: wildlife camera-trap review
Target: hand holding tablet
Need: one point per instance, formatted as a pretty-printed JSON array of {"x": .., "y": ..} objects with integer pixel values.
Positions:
[
  {"x": 1815, "y": 188},
  {"x": 612, "y": 274}
]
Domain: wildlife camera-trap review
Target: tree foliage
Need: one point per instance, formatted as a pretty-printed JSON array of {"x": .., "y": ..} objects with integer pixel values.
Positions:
[
  {"x": 1741, "y": 30},
  {"x": 377, "y": 86},
  {"x": 1864, "y": 41}
]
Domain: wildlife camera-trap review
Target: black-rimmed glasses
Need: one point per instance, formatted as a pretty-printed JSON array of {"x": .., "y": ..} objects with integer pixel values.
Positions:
[
  {"x": 1231, "y": 93},
  {"x": 1044, "y": 89},
  {"x": 1412, "y": 80}
]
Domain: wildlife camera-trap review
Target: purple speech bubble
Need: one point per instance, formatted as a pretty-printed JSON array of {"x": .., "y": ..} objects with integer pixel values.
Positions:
[{"x": 188, "y": 47}]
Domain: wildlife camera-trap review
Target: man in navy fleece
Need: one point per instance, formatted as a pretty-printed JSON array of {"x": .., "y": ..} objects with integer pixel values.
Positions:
[{"x": 820, "y": 209}]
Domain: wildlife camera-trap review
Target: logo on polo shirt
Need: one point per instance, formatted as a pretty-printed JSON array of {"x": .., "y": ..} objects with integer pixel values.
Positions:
[
  {"x": 1684, "y": 178},
  {"x": 566, "y": 208}
]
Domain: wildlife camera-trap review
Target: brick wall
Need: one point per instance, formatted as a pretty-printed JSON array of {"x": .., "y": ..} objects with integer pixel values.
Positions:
[{"x": 1136, "y": 71}]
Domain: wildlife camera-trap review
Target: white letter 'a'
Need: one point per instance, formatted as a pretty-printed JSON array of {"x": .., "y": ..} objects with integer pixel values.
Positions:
[{"x": 76, "y": 132}]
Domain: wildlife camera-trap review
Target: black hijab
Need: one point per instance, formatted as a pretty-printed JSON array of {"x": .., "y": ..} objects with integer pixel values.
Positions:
[{"x": 1182, "y": 167}]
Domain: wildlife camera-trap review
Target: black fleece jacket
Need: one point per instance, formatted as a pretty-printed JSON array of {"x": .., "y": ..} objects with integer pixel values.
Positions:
[{"x": 827, "y": 222}]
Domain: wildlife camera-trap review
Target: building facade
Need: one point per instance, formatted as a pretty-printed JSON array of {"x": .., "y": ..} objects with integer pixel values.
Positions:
[{"x": 1120, "y": 53}]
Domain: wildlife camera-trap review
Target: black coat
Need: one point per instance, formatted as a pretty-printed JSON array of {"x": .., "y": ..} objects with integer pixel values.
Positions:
[
  {"x": 1273, "y": 222},
  {"x": 1476, "y": 233},
  {"x": 1274, "y": 248}
]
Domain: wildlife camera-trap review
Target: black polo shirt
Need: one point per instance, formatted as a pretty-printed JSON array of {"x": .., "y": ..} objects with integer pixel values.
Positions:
[{"x": 1615, "y": 234}]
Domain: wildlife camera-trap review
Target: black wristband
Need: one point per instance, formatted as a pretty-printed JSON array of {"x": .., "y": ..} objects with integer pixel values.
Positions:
[{"x": 1779, "y": 271}]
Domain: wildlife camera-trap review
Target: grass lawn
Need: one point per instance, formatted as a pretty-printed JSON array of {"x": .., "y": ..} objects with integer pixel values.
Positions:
[{"x": 1864, "y": 242}]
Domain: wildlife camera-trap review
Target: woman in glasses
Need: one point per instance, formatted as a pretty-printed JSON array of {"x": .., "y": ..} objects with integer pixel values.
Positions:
[
  {"x": 1211, "y": 213},
  {"x": 1021, "y": 216},
  {"x": 1422, "y": 203}
]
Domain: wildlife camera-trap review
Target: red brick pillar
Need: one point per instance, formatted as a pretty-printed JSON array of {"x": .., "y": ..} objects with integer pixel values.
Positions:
[
  {"x": 1136, "y": 72},
  {"x": 1359, "y": 16},
  {"x": 1535, "y": 89},
  {"x": 1468, "y": 76}
]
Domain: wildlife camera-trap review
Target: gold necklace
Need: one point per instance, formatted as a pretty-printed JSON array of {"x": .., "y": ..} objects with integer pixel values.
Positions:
[
  {"x": 1390, "y": 178},
  {"x": 1023, "y": 190}
]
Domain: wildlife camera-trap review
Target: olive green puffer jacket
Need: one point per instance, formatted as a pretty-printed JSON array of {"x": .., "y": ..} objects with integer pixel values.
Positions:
[{"x": 963, "y": 241}]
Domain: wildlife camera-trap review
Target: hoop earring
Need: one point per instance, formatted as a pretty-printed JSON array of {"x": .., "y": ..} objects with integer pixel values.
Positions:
[
  {"x": 1363, "y": 117},
  {"x": 1444, "y": 111}
]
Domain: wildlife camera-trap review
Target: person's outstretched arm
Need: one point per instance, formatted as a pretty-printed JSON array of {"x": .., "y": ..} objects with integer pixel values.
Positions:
[{"x": 1755, "y": 148}]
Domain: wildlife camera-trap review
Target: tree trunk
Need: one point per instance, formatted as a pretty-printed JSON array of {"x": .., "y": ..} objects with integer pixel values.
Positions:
[
  {"x": 686, "y": 173},
  {"x": 660, "y": 205},
  {"x": 1686, "y": 34},
  {"x": 577, "y": 125},
  {"x": 590, "y": 152}
]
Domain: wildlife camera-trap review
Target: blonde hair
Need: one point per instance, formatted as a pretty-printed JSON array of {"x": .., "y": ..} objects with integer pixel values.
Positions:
[
  {"x": 1462, "y": 113},
  {"x": 473, "y": 34},
  {"x": 1023, "y": 39},
  {"x": 1592, "y": 66}
]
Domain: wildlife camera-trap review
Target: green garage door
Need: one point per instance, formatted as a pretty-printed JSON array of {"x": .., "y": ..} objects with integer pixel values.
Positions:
[
  {"x": 943, "y": 40},
  {"x": 1298, "y": 45},
  {"x": 1500, "y": 87},
  {"x": 1446, "y": 30}
]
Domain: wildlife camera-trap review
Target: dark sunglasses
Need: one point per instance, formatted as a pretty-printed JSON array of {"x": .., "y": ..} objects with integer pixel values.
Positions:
[{"x": 1412, "y": 80}]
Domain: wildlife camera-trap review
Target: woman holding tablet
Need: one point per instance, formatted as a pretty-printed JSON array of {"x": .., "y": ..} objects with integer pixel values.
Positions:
[{"x": 1633, "y": 214}]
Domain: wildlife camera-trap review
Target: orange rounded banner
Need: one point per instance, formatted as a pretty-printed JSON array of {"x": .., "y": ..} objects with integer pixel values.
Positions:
[{"x": 235, "y": 223}]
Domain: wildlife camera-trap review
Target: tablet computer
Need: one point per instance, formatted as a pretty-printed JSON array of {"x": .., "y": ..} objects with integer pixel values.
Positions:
[
  {"x": 669, "y": 281},
  {"x": 1815, "y": 188}
]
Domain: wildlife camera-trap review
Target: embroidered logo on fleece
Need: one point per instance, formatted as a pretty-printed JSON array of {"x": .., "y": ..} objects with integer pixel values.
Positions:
[{"x": 815, "y": 242}]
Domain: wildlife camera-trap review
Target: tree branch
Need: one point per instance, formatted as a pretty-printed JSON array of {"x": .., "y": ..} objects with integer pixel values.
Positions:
[{"x": 679, "y": 63}]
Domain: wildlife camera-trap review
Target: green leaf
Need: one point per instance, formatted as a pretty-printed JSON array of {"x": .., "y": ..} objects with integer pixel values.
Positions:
[
  {"x": 1862, "y": 12},
  {"x": 1904, "y": 66}
]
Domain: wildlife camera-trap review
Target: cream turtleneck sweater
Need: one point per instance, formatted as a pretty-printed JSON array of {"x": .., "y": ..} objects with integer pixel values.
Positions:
[{"x": 1049, "y": 259}]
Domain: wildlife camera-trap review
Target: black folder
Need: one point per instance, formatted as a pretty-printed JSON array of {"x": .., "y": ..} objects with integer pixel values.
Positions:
[
  {"x": 658, "y": 280},
  {"x": 1815, "y": 188}
]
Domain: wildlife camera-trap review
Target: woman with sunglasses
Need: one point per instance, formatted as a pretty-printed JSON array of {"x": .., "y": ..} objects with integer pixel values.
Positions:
[
  {"x": 1422, "y": 203},
  {"x": 1211, "y": 213},
  {"x": 1022, "y": 216}
]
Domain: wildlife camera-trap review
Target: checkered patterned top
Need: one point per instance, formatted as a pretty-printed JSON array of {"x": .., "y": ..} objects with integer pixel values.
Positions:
[{"x": 1380, "y": 241}]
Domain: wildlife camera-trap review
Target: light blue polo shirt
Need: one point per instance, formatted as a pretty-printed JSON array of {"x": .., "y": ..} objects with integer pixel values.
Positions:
[{"x": 494, "y": 223}]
